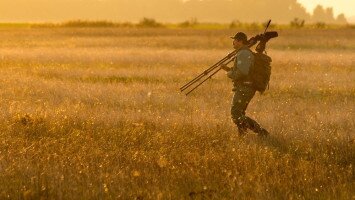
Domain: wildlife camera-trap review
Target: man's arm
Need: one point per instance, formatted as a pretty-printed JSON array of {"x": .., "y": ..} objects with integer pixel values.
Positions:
[
  {"x": 230, "y": 72},
  {"x": 225, "y": 68},
  {"x": 241, "y": 65},
  {"x": 244, "y": 62}
]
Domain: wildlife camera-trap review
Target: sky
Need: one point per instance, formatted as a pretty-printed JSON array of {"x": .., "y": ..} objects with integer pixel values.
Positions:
[
  {"x": 52, "y": 10},
  {"x": 339, "y": 6}
]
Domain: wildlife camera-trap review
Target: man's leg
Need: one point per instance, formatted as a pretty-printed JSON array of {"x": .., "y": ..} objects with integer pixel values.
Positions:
[{"x": 241, "y": 99}]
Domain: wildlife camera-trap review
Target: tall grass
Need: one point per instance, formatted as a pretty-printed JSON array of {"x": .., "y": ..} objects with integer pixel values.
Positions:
[{"x": 96, "y": 114}]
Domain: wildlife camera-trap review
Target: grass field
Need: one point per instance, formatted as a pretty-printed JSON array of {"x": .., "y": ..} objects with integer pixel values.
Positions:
[{"x": 96, "y": 113}]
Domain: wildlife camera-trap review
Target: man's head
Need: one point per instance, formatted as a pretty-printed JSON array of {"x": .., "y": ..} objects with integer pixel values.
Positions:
[{"x": 240, "y": 39}]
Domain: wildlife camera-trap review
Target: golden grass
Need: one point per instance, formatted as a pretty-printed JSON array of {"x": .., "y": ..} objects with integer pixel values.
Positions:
[{"x": 96, "y": 114}]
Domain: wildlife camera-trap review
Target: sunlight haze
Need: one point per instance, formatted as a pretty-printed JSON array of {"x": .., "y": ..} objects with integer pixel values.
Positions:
[{"x": 168, "y": 10}]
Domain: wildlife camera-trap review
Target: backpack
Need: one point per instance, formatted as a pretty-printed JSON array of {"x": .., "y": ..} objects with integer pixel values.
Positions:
[{"x": 260, "y": 72}]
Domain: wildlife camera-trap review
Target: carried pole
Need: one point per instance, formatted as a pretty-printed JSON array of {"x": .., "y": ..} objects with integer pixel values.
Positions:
[{"x": 208, "y": 73}]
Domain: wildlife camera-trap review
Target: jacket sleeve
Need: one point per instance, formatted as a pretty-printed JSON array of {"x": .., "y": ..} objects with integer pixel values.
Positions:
[{"x": 235, "y": 74}]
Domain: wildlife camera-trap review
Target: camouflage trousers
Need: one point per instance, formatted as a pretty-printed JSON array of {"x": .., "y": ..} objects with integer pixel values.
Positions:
[{"x": 242, "y": 96}]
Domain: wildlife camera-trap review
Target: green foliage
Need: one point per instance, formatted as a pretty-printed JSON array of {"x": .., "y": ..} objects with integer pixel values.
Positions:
[
  {"x": 297, "y": 23},
  {"x": 15, "y": 25},
  {"x": 254, "y": 26},
  {"x": 81, "y": 23},
  {"x": 192, "y": 23},
  {"x": 235, "y": 24},
  {"x": 271, "y": 25},
  {"x": 189, "y": 23},
  {"x": 149, "y": 23},
  {"x": 320, "y": 25}
]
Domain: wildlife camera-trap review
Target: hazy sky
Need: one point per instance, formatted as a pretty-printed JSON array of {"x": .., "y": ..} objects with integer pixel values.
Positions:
[
  {"x": 61, "y": 10},
  {"x": 339, "y": 6}
]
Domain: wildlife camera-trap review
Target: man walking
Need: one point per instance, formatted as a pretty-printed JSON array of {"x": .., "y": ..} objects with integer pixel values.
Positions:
[{"x": 243, "y": 86}]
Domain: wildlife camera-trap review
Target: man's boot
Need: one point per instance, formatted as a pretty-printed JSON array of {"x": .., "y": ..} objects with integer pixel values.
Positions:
[
  {"x": 242, "y": 131},
  {"x": 242, "y": 128},
  {"x": 255, "y": 127},
  {"x": 263, "y": 132}
]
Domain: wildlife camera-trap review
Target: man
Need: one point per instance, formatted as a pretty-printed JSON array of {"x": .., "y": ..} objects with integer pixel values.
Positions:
[{"x": 243, "y": 89}]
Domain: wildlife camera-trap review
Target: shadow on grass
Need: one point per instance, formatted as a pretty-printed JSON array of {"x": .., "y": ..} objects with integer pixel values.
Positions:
[{"x": 273, "y": 142}]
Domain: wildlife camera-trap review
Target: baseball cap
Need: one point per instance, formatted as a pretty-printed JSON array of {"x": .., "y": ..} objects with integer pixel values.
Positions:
[{"x": 240, "y": 36}]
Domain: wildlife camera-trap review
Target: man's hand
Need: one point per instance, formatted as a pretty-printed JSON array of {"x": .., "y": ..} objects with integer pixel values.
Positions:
[{"x": 225, "y": 68}]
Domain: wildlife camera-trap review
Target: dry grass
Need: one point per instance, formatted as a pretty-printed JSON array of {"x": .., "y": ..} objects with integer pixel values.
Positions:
[{"x": 96, "y": 114}]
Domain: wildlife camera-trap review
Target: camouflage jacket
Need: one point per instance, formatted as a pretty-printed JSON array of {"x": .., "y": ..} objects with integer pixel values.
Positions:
[{"x": 242, "y": 63}]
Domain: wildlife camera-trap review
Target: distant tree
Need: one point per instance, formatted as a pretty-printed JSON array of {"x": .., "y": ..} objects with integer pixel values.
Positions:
[
  {"x": 243, "y": 10},
  {"x": 320, "y": 25},
  {"x": 318, "y": 14},
  {"x": 297, "y": 23},
  {"x": 148, "y": 22},
  {"x": 329, "y": 15},
  {"x": 235, "y": 24},
  {"x": 321, "y": 14},
  {"x": 189, "y": 23},
  {"x": 341, "y": 19}
]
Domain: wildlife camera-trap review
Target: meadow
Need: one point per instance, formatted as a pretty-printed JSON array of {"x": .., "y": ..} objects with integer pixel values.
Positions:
[{"x": 96, "y": 113}]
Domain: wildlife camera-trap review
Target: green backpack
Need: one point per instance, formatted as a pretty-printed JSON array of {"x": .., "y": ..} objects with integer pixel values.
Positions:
[{"x": 260, "y": 72}]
